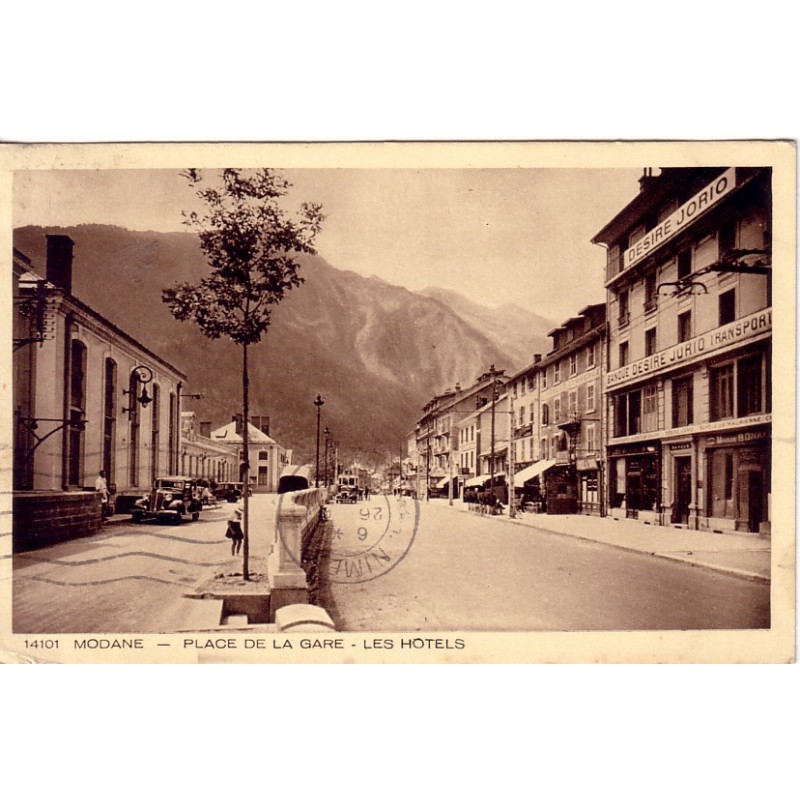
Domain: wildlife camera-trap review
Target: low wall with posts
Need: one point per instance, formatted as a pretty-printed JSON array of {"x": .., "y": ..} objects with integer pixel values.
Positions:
[
  {"x": 298, "y": 517},
  {"x": 45, "y": 518}
]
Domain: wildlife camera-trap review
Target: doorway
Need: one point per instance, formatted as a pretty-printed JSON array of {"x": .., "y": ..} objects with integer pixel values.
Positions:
[{"x": 683, "y": 490}]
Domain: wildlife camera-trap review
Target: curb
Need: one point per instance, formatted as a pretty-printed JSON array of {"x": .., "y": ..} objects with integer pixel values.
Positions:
[{"x": 739, "y": 573}]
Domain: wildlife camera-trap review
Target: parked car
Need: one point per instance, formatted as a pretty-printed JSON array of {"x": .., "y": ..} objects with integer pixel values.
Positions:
[
  {"x": 172, "y": 498},
  {"x": 230, "y": 491}
]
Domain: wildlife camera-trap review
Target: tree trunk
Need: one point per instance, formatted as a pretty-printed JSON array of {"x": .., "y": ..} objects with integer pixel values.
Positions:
[{"x": 246, "y": 473}]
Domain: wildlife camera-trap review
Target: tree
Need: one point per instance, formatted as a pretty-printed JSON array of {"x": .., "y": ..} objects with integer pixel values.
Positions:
[{"x": 248, "y": 239}]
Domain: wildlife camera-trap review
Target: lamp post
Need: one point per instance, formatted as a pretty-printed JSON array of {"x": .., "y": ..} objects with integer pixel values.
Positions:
[
  {"x": 327, "y": 433},
  {"x": 143, "y": 375},
  {"x": 319, "y": 402},
  {"x": 493, "y": 373}
]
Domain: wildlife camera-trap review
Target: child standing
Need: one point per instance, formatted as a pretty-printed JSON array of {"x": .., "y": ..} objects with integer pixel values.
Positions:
[{"x": 234, "y": 532}]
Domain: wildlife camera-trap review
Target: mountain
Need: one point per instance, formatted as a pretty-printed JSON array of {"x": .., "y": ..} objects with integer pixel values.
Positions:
[
  {"x": 517, "y": 332},
  {"x": 375, "y": 352}
]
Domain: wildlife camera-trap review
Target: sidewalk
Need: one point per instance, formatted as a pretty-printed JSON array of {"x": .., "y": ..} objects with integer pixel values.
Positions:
[{"x": 745, "y": 555}]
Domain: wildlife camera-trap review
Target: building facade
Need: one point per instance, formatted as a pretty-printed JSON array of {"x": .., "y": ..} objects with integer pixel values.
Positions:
[
  {"x": 87, "y": 397},
  {"x": 203, "y": 457},
  {"x": 267, "y": 458},
  {"x": 689, "y": 377}
]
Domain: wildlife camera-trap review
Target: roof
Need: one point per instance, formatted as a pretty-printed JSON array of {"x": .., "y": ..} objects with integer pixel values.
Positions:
[{"x": 254, "y": 435}]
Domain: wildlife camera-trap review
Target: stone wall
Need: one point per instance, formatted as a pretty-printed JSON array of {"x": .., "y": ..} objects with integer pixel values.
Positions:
[{"x": 45, "y": 518}]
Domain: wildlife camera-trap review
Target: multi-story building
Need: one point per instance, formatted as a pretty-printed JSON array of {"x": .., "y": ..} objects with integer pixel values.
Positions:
[
  {"x": 690, "y": 320},
  {"x": 440, "y": 435},
  {"x": 203, "y": 457},
  {"x": 267, "y": 458},
  {"x": 87, "y": 397},
  {"x": 570, "y": 428}
]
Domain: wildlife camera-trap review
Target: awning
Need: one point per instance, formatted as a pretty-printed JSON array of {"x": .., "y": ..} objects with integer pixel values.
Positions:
[
  {"x": 442, "y": 483},
  {"x": 533, "y": 471},
  {"x": 480, "y": 480}
]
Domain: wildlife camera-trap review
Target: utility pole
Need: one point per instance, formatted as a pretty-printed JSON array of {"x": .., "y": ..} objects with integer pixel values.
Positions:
[
  {"x": 494, "y": 399},
  {"x": 319, "y": 402},
  {"x": 511, "y": 512}
]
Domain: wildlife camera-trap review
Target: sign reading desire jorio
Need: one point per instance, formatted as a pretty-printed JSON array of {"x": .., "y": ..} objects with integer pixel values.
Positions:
[
  {"x": 679, "y": 219},
  {"x": 694, "y": 349}
]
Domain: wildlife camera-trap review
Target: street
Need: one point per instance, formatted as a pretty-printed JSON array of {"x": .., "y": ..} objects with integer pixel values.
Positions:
[
  {"x": 129, "y": 578},
  {"x": 472, "y": 573}
]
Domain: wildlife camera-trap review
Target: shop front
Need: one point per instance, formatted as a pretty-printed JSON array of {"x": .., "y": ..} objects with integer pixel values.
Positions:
[
  {"x": 588, "y": 486},
  {"x": 634, "y": 480},
  {"x": 739, "y": 478}
]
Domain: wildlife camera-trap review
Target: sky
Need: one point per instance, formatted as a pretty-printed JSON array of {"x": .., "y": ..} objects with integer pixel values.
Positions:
[{"x": 496, "y": 236}]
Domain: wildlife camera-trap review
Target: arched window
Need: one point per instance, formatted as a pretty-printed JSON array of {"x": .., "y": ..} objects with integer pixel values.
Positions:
[
  {"x": 77, "y": 413},
  {"x": 155, "y": 433},
  {"x": 109, "y": 418}
]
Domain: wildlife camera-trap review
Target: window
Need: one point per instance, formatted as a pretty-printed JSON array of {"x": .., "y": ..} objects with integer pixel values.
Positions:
[
  {"x": 155, "y": 432},
  {"x": 531, "y": 382},
  {"x": 557, "y": 372},
  {"x": 727, "y": 307},
  {"x": 172, "y": 442},
  {"x": 521, "y": 416},
  {"x": 750, "y": 393},
  {"x": 650, "y": 292},
  {"x": 624, "y": 308},
  {"x": 628, "y": 414},
  {"x": 727, "y": 237},
  {"x": 721, "y": 384},
  {"x": 557, "y": 410},
  {"x": 545, "y": 414},
  {"x": 590, "y": 357},
  {"x": 685, "y": 326},
  {"x": 590, "y": 397},
  {"x": 573, "y": 364},
  {"x": 684, "y": 264},
  {"x": 531, "y": 419},
  {"x": 624, "y": 353},
  {"x": 682, "y": 401},
  {"x": 77, "y": 413},
  {"x": 591, "y": 443},
  {"x": 109, "y": 418},
  {"x": 650, "y": 408},
  {"x": 650, "y": 341},
  {"x": 543, "y": 449},
  {"x": 544, "y": 378},
  {"x": 573, "y": 404}
]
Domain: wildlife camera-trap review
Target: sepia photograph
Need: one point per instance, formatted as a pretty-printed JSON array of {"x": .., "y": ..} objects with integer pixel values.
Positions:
[{"x": 414, "y": 402}]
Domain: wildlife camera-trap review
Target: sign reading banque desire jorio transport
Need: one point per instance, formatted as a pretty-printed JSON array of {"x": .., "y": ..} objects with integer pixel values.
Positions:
[
  {"x": 699, "y": 347},
  {"x": 678, "y": 220}
]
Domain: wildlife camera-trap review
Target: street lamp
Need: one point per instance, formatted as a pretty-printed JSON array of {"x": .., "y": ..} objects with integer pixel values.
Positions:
[
  {"x": 327, "y": 433},
  {"x": 143, "y": 375},
  {"x": 319, "y": 402}
]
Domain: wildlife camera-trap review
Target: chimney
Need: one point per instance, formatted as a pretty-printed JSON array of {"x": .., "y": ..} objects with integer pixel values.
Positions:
[
  {"x": 537, "y": 357},
  {"x": 59, "y": 261},
  {"x": 237, "y": 418},
  {"x": 205, "y": 429},
  {"x": 458, "y": 387},
  {"x": 646, "y": 179},
  {"x": 264, "y": 426}
]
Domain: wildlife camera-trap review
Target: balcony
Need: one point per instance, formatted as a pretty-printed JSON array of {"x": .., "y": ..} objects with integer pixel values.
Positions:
[
  {"x": 523, "y": 430},
  {"x": 624, "y": 319},
  {"x": 651, "y": 304}
]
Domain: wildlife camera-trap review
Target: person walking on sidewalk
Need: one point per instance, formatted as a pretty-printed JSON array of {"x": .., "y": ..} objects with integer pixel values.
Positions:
[{"x": 235, "y": 532}]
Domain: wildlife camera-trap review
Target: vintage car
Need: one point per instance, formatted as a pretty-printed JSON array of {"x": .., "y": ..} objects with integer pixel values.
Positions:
[
  {"x": 230, "y": 491},
  {"x": 345, "y": 495},
  {"x": 172, "y": 498}
]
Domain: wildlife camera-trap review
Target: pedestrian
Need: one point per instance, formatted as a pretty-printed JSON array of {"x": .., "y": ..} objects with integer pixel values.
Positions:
[
  {"x": 101, "y": 486},
  {"x": 235, "y": 532}
]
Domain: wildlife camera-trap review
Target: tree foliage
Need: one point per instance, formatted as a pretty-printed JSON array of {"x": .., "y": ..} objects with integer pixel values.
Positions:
[{"x": 249, "y": 241}]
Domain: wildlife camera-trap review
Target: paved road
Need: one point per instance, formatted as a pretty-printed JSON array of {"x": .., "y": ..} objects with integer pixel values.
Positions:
[
  {"x": 128, "y": 579},
  {"x": 465, "y": 572}
]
